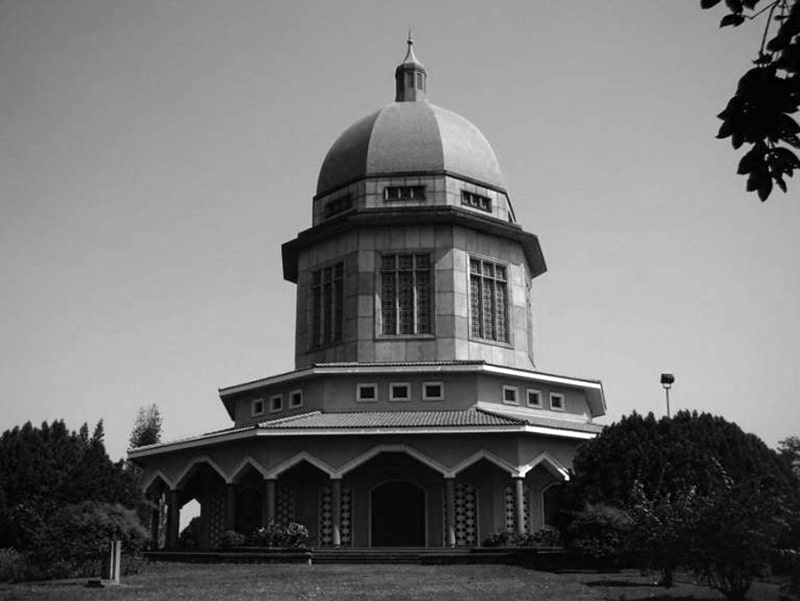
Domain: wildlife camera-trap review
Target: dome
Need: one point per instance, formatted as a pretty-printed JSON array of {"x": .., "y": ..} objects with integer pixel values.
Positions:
[{"x": 410, "y": 137}]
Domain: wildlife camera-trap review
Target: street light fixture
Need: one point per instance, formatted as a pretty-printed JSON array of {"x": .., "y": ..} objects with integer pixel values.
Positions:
[{"x": 667, "y": 380}]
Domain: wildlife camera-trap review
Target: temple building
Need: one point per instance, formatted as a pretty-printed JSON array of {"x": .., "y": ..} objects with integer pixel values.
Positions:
[{"x": 415, "y": 415}]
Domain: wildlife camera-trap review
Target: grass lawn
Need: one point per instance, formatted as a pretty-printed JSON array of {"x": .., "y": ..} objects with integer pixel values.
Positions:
[{"x": 234, "y": 582}]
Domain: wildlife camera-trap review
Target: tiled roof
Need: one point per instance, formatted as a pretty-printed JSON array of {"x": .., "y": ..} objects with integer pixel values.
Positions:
[{"x": 392, "y": 419}]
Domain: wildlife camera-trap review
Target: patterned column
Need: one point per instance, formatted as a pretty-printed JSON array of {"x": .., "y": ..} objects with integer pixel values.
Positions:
[
  {"x": 336, "y": 511},
  {"x": 173, "y": 519},
  {"x": 450, "y": 511},
  {"x": 230, "y": 506},
  {"x": 519, "y": 504},
  {"x": 269, "y": 501}
]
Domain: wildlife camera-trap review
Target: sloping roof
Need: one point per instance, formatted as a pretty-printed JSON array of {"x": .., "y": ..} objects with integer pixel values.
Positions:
[{"x": 392, "y": 419}]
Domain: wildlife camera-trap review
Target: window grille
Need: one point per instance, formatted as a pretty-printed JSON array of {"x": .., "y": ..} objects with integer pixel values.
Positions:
[
  {"x": 328, "y": 299},
  {"x": 488, "y": 299},
  {"x": 405, "y": 294}
]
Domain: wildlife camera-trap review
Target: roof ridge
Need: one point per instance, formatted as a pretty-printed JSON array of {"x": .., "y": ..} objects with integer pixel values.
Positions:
[
  {"x": 516, "y": 420},
  {"x": 288, "y": 418}
]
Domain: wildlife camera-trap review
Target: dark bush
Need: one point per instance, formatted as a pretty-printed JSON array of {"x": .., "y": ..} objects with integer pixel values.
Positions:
[{"x": 600, "y": 532}]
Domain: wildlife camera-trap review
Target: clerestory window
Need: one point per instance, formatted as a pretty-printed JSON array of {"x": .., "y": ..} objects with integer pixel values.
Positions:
[
  {"x": 404, "y": 193},
  {"x": 328, "y": 297},
  {"x": 405, "y": 294},
  {"x": 488, "y": 296}
]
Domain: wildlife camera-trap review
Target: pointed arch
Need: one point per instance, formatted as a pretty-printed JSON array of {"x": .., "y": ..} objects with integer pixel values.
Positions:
[
  {"x": 483, "y": 454},
  {"x": 248, "y": 460},
  {"x": 549, "y": 463},
  {"x": 158, "y": 474},
  {"x": 390, "y": 448},
  {"x": 299, "y": 458},
  {"x": 190, "y": 469}
]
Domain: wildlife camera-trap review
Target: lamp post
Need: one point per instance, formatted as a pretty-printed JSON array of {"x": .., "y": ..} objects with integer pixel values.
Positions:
[{"x": 667, "y": 380}]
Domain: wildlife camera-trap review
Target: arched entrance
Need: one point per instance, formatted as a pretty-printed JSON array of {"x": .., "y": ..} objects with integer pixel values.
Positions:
[{"x": 398, "y": 515}]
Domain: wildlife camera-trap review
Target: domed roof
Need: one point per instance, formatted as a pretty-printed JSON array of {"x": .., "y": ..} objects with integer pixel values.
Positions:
[{"x": 409, "y": 137}]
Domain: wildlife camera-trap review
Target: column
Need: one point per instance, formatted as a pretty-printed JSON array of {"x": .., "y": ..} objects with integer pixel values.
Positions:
[
  {"x": 173, "y": 518},
  {"x": 269, "y": 500},
  {"x": 230, "y": 506},
  {"x": 450, "y": 511},
  {"x": 155, "y": 519},
  {"x": 336, "y": 511},
  {"x": 519, "y": 498}
]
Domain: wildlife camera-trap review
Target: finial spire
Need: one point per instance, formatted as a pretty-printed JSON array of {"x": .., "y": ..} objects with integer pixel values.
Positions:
[{"x": 410, "y": 76}]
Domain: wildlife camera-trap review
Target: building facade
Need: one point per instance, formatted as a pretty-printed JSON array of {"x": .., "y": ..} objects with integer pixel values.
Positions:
[{"x": 415, "y": 415}]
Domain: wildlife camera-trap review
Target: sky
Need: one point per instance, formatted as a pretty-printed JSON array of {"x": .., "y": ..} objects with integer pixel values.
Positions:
[{"x": 154, "y": 156}]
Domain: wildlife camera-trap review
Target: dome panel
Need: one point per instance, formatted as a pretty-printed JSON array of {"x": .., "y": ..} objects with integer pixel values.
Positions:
[
  {"x": 347, "y": 158},
  {"x": 409, "y": 137},
  {"x": 466, "y": 151},
  {"x": 405, "y": 138}
]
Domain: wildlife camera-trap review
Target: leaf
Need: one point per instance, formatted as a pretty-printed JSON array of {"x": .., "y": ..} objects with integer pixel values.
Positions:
[
  {"x": 781, "y": 183},
  {"x": 734, "y": 5},
  {"x": 765, "y": 188},
  {"x": 751, "y": 160},
  {"x": 708, "y": 3},
  {"x": 731, "y": 19}
]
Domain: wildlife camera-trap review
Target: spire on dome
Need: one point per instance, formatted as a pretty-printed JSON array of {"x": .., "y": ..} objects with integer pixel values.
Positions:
[{"x": 410, "y": 76}]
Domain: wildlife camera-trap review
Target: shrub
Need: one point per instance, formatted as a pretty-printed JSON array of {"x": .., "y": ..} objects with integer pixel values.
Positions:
[
  {"x": 13, "y": 565},
  {"x": 231, "y": 538},
  {"x": 292, "y": 535},
  {"x": 545, "y": 537},
  {"x": 189, "y": 538},
  {"x": 600, "y": 532},
  {"x": 76, "y": 537}
]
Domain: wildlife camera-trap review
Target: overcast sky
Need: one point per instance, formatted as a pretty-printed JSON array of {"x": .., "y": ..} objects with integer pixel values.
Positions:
[{"x": 155, "y": 155}]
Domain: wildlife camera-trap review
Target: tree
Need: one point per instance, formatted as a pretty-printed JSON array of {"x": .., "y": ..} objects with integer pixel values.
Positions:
[
  {"x": 44, "y": 469},
  {"x": 759, "y": 112},
  {"x": 147, "y": 427},
  {"x": 701, "y": 493},
  {"x": 789, "y": 449}
]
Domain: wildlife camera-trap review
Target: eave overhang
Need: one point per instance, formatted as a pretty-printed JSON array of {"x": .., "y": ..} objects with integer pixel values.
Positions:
[
  {"x": 593, "y": 388},
  {"x": 255, "y": 432},
  {"x": 382, "y": 217}
]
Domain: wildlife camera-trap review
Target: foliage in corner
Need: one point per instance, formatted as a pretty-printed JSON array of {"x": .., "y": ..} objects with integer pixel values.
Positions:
[
  {"x": 759, "y": 113},
  {"x": 699, "y": 494}
]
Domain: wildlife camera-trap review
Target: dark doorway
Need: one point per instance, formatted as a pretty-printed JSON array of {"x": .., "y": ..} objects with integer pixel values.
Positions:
[
  {"x": 248, "y": 511},
  {"x": 398, "y": 515}
]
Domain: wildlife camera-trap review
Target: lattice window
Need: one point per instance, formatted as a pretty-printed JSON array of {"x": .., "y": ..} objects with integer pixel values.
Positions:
[
  {"x": 327, "y": 292},
  {"x": 466, "y": 515},
  {"x": 488, "y": 300},
  {"x": 405, "y": 294},
  {"x": 510, "y": 509},
  {"x": 326, "y": 516}
]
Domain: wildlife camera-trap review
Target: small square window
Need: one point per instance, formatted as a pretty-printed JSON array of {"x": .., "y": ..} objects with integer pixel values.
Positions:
[
  {"x": 367, "y": 393},
  {"x": 276, "y": 403},
  {"x": 534, "y": 398},
  {"x": 433, "y": 391},
  {"x": 257, "y": 408},
  {"x": 556, "y": 401},
  {"x": 295, "y": 399},
  {"x": 399, "y": 391},
  {"x": 510, "y": 395}
]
